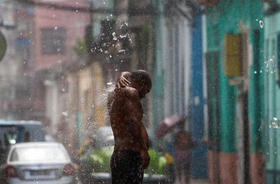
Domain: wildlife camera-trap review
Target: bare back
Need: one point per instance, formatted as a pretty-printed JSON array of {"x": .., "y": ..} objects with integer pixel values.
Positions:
[{"x": 126, "y": 114}]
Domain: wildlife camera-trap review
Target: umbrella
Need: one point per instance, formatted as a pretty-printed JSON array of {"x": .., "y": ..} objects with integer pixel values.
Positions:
[{"x": 168, "y": 124}]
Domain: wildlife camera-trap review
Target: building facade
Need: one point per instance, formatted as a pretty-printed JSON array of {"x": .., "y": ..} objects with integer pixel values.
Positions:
[
  {"x": 235, "y": 83},
  {"x": 271, "y": 89},
  {"x": 177, "y": 74},
  {"x": 55, "y": 57}
]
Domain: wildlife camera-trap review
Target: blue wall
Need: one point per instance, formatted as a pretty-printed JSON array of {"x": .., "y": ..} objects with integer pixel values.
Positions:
[{"x": 199, "y": 163}]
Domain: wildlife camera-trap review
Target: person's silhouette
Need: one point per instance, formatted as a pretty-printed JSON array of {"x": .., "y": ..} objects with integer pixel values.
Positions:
[{"x": 130, "y": 156}]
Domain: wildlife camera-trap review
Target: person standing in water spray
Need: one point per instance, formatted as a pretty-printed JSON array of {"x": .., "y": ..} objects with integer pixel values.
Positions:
[{"x": 130, "y": 156}]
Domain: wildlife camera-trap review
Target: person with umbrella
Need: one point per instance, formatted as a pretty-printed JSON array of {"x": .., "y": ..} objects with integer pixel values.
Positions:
[{"x": 183, "y": 144}]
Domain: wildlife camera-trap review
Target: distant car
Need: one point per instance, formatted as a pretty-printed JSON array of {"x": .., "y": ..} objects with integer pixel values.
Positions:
[
  {"x": 41, "y": 162},
  {"x": 16, "y": 131}
]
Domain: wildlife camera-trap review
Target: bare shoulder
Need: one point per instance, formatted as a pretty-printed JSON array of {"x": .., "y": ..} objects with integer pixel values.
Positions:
[{"x": 128, "y": 92}]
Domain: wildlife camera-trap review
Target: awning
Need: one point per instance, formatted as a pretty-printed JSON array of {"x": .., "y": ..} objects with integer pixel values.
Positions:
[{"x": 169, "y": 124}]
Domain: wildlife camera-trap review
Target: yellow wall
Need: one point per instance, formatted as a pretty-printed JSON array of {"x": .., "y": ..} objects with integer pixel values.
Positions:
[{"x": 98, "y": 94}]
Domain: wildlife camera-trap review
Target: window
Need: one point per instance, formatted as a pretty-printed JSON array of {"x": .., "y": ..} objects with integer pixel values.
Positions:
[
  {"x": 23, "y": 47},
  {"x": 53, "y": 41},
  {"x": 39, "y": 153}
]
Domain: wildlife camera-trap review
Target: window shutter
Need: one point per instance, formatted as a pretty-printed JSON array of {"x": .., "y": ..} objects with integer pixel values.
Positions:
[{"x": 233, "y": 57}]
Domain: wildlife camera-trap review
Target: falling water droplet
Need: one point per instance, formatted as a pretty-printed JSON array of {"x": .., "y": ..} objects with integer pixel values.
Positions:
[
  {"x": 64, "y": 114},
  {"x": 261, "y": 23},
  {"x": 274, "y": 123}
]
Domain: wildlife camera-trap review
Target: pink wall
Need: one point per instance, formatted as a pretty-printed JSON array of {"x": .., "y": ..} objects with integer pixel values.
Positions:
[{"x": 73, "y": 22}]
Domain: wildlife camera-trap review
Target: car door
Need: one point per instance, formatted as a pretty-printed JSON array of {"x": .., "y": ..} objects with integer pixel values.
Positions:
[{"x": 2, "y": 169}]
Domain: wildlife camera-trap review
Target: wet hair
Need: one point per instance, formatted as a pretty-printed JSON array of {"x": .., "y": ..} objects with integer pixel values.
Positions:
[{"x": 141, "y": 77}]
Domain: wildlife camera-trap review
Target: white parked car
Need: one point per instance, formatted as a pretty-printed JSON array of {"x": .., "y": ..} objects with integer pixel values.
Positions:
[{"x": 38, "y": 163}]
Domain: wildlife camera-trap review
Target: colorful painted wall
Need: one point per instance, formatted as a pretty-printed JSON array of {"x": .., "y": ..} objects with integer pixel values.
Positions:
[
  {"x": 227, "y": 94},
  {"x": 272, "y": 92}
]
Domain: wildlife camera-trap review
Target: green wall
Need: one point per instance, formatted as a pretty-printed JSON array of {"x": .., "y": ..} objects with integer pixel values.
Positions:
[
  {"x": 158, "y": 72},
  {"x": 225, "y": 18},
  {"x": 272, "y": 93}
]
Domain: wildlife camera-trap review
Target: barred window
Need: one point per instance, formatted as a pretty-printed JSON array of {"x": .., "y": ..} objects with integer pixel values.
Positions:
[{"x": 53, "y": 41}]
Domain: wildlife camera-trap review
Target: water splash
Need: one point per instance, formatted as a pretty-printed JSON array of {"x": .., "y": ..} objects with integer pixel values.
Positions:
[
  {"x": 109, "y": 83},
  {"x": 275, "y": 123},
  {"x": 114, "y": 36},
  {"x": 124, "y": 30},
  {"x": 65, "y": 114},
  {"x": 261, "y": 23},
  {"x": 270, "y": 65},
  {"x": 104, "y": 97}
]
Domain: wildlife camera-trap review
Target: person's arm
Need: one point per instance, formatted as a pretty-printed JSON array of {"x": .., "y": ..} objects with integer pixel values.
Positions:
[
  {"x": 123, "y": 80},
  {"x": 193, "y": 142},
  {"x": 138, "y": 129},
  {"x": 135, "y": 124},
  {"x": 144, "y": 135},
  {"x": 145, "y": 147}
]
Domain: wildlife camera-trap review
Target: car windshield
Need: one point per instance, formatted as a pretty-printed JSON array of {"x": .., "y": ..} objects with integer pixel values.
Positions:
[{"x": 38, "y": 154}]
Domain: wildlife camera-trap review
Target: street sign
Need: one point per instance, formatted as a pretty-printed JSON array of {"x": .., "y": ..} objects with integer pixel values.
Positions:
[{"x": 3, "y": 45}]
